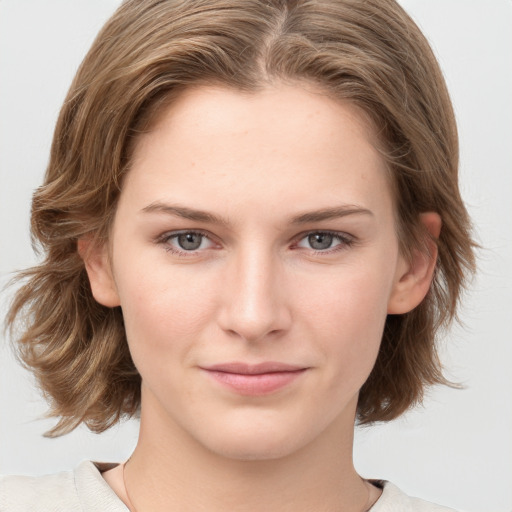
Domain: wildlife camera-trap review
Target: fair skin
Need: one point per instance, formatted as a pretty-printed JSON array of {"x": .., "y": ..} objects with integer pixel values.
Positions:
[{"x": 253, "y": 230}]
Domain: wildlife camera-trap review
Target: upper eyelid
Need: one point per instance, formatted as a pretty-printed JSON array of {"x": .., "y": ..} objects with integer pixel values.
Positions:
[
  {"x": 339, "y": 234},
  {"x": 302, "y": 234},
  {"x": 172, "y": 234}
]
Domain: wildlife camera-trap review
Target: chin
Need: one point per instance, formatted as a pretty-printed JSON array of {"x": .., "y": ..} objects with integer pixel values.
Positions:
[
  {"x": 256, "y": 440},
  {"x": 244, "y": 449}
]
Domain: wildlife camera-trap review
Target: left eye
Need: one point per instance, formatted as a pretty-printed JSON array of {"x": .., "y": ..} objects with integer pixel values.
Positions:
[{"x": 322, "y": 241}]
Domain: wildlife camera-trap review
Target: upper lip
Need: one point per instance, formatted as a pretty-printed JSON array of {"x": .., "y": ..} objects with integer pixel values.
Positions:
[{"x": 253, "y": 369}]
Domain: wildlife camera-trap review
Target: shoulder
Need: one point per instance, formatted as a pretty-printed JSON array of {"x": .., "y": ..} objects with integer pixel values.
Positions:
[
  {"x": 394, "y": 500},
  {"x": 81, "y": 490},
  {"x": 24, "y": 493}
]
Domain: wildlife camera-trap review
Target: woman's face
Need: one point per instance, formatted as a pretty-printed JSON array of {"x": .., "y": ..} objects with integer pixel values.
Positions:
[{"x": 255, "y": 259}]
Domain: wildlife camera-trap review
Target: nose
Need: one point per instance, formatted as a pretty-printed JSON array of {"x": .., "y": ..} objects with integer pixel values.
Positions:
[{"x": 255, "y": 304}]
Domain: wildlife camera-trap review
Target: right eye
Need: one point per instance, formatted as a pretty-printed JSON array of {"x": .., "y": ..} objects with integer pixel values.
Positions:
[{"x": 184, "y": 242}]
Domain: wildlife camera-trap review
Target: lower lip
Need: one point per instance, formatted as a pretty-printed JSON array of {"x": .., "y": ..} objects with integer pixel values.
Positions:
[{"x": 258, "y": 384}]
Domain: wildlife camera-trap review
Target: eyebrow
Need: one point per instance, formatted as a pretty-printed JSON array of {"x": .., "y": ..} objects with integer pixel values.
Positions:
[
  {"x": 208, "y": 217},
  {"x": 185, "y": 213},
  {"x": 330, "y": 213}
]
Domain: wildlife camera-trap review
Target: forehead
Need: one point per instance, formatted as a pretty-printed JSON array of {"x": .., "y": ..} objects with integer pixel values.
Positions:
[
  {"x": 283, "y": 144},
  {"x": 298, "y": 106}
]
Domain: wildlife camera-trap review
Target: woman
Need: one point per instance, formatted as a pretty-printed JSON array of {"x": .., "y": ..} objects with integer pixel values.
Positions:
[{"x": 253, "y": 231}]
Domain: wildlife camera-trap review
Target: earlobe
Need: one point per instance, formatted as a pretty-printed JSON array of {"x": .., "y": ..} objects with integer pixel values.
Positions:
[
  {"x": 414, "y": 277},
  {"x": 99, "y": 271}
]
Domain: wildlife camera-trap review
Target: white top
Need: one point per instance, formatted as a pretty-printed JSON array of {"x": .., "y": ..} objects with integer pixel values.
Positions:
[{"x": 85, "y": 490}]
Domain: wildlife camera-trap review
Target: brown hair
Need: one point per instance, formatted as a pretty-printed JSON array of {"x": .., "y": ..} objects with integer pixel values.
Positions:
[{"x": 369, "y": 53}]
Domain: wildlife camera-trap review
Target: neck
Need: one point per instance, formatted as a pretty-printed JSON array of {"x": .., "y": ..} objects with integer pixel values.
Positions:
[{"x": 169, "y": 470}]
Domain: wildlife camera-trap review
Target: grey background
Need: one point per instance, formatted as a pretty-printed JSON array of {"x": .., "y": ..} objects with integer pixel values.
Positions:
[{"x": 457, "y": 449}]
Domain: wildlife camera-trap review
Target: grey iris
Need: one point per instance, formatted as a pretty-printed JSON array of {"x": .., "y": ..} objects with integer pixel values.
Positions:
[
  {"x": 190, "y": 241},
  {"x": 320, "y": 241}
]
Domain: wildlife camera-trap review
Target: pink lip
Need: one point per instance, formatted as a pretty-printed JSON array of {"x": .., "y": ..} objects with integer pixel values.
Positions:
[{"x": 258, "y": 379}]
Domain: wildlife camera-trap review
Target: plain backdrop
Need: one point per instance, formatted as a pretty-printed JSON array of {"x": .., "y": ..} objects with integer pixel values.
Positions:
[{"x": 457, "y": 449}]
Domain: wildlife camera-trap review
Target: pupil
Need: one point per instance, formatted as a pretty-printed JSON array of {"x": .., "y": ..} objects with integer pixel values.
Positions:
[
  {"x": 320, "y": 241},
  {"x": 190, "y": 241}
]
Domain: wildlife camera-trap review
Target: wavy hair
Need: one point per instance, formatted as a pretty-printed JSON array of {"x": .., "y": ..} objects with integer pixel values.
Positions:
[{"x": 368, "y": 53}]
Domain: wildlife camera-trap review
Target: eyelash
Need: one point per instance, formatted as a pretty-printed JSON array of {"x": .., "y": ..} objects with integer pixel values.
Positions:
[{"x": 345, "y": 241}]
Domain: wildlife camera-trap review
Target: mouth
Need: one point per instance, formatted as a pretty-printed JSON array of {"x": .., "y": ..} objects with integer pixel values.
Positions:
[{"x": 253, "y": 380}]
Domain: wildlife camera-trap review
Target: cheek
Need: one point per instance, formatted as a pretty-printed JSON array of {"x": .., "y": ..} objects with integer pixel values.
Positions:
[
  {"x": 163, "y": 309},
  {"x": 347, "y": 318}
]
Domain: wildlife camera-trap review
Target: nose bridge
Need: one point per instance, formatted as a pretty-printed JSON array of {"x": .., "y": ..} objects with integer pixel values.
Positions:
[{"x": 254, "y": 304}]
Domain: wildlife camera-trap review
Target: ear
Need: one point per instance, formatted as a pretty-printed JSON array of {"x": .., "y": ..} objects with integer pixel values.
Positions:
[
  {"x": 97, "y": 265},
  {"x": 414, "y": 278}
]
